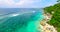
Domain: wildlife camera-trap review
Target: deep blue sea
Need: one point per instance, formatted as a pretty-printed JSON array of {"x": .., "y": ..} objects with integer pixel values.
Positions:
[{"x": 20, "y": 19}]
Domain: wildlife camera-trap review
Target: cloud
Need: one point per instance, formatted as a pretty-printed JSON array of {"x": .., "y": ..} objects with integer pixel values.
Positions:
[
  {"x": 25, "y": 3},
  {"x": 11, "y": 2},
  {"x": 21, "y": 3}
]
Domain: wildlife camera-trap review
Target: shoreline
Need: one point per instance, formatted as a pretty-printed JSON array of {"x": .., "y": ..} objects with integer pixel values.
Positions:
[{"x": 45, "y": 26}]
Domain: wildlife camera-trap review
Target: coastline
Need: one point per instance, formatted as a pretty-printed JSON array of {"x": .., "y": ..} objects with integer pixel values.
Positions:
[{"x": 45, "y": 26}]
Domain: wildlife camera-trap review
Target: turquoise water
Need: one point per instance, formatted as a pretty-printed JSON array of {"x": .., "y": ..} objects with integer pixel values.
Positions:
[{"x": 23, "y": 20}]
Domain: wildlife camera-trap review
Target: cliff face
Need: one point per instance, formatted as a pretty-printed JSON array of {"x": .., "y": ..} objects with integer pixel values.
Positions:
[{"x": 55, "y": 12}]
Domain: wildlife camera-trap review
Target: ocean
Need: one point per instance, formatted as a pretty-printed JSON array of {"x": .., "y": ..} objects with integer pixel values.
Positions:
[{"x": 20, "y": 19}]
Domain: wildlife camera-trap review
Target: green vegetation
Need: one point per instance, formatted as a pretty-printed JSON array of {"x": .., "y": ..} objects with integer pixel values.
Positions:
[
  {"x": 58, "y": 1},
  {"x": 55, "y": 20}
]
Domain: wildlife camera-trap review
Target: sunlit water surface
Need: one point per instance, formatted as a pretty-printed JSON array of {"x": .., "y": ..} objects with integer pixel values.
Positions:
[{"x": 20, "y": 20}]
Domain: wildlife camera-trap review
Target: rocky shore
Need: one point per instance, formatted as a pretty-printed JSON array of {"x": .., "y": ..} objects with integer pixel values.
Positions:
[{"x": 45, "y": 26}]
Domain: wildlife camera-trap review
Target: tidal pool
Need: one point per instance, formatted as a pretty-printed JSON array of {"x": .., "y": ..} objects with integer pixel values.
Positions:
[{"x": 20, "y": 20}]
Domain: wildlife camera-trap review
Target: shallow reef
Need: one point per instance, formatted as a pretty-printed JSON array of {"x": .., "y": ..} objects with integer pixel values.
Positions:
[{"x": 21, "y": 22}]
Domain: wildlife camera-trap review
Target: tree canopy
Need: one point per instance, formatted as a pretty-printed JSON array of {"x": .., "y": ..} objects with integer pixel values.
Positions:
[{"x": 55, "y": 20}]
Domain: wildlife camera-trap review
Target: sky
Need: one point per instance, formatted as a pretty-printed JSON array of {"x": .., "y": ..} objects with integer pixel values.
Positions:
[{"x": 26, "y": 3}]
